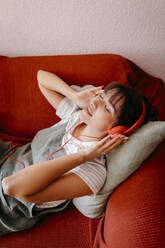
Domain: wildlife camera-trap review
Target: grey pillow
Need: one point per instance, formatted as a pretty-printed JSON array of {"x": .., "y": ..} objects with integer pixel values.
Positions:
[{"x": 121, "y": 163}]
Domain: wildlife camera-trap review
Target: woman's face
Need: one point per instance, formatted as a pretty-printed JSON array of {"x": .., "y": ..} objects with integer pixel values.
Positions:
[{"x": 100, "y": 114}]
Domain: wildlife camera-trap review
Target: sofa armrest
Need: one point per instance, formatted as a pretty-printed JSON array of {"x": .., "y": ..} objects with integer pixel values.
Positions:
[{"x": 135, "y": 211}]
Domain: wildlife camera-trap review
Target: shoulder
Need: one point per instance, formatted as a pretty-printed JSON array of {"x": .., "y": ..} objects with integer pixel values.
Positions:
[{"x": 66, "y": 107}]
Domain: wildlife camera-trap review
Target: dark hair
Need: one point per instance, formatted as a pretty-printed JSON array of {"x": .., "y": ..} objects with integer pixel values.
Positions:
[{"x": 132, "y": 106}]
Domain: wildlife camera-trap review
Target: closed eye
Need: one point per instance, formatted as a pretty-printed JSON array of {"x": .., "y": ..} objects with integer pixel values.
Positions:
[
  {"x": 101, "y": 96},
  {"x": 107, "y": 109},
  {"x": 105, "y": 105}
]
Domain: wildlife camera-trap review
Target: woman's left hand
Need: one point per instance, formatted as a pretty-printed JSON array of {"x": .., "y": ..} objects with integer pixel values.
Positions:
[
  {"x": 83, "y": 98},
  {"x": 104, "y": 146}
]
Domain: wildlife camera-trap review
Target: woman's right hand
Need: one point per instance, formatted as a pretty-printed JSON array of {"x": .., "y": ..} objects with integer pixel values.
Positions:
[
  {"x": 83, "y": 98},
  {"x": 104, "y": 146}
]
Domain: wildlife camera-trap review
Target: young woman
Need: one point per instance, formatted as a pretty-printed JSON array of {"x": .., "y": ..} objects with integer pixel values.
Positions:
[{"x": 88, "y": 116}]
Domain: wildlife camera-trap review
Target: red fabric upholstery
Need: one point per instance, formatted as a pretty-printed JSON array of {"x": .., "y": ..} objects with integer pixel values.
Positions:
[
  {"x": 67, "y": 229},
  {"x": 23, "y": 104},
  {"x": 135, "y": 211}
]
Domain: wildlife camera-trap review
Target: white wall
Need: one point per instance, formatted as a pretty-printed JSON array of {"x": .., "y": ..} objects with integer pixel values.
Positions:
[{"x": 132, "y": 28}]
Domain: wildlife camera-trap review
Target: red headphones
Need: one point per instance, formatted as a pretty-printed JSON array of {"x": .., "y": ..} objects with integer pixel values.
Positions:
[{"x": 123, "y": 129}]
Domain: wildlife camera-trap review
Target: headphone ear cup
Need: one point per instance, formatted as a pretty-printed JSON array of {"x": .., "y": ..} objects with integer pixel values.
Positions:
[{"x": 117, "y": 130}]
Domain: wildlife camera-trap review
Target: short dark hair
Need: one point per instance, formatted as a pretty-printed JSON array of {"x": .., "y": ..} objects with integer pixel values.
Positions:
[{"x": 132, "y": 106}]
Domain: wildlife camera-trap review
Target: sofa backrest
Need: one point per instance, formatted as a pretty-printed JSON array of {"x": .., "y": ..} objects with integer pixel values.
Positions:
[{"x": 24, "y": 110}]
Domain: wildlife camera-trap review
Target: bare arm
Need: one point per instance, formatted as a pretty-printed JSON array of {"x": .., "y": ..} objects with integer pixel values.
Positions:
[
  {"x": 42, "y": 174},
  {"x": 45, "y": 181},
  {"x": 54, "y": 88}
]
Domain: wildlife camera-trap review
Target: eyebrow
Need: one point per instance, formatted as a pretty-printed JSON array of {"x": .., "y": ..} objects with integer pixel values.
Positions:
[{"x": 113, "y": 97}]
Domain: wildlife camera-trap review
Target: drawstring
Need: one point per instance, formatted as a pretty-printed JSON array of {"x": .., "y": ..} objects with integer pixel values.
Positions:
[
  {"x": 14, "y": 144},
  {"x": 49, "y": 157}
]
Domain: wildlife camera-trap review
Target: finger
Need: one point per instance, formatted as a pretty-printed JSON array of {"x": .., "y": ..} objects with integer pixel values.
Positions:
[
  {"x": 105, "y": 141},
  {"x": 118, "y": 134},
  {"x": 99, "y": 92},
  {"x": 111, "y": 138},
  {"x": 108, "y": 143},
  {"x": 95, "y": 89},
  {"x": 98, "y": 87},
  {"x": 118, "y": 140},
  {"x": 112, "y": 147}
]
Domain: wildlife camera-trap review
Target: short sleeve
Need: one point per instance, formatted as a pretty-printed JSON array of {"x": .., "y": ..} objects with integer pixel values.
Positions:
[
  {"x": 93, "y": 174},
  {"x": 66, "y": 107}
]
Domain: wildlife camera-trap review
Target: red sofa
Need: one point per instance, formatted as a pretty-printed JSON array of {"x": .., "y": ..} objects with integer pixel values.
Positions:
[{"x": 134, "y": 214}]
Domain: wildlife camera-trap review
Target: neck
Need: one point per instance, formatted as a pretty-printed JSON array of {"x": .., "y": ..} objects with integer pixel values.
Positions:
[{"x": 91, "y": 133}]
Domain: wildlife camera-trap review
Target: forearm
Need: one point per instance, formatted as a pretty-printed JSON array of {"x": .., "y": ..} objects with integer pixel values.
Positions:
[
  {"x": 36, "y": 177},
  {"x": 53, "y": 82}
]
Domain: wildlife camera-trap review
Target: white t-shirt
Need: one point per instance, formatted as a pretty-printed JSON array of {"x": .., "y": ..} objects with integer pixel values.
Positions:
[{"x": 92, "y": 172}]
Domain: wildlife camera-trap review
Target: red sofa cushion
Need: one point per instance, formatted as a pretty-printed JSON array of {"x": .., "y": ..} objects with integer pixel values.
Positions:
[
  {"x": 24, "y": 110},
  {"x": 68, "y": 229}
]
